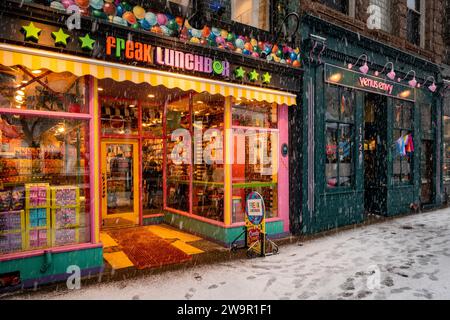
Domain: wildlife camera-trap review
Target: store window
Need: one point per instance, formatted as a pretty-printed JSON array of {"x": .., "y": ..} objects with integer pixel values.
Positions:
[
  {"x": 404, "y": 141},
  {"x": 339, "y": 136},
  {"x": 446, "y": 145},
  {"x": 384, "y": 9},
  {"x": 208, "y": 175},
  {"x": 339, "y": 5},
  {"x": 179, "y": 153},
  {"x": 414, "y": 21},
  {"x": 255, "y": 162},
  {"x": 41, "y": 89},
  {"x": 251, "y": 12},
  {"x": 44, "y": 182}
]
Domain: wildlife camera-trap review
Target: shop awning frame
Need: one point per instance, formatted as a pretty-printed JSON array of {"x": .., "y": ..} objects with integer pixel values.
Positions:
[{"x": 11, "y": 55}]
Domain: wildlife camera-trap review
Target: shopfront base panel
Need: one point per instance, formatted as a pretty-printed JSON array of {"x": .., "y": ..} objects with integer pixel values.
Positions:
[
  {"x": 224, "y": 236},
  {"x": 399, "y": 200},
  {"x": 335, "y": 210},
  {"x": 90, "y": 262}
]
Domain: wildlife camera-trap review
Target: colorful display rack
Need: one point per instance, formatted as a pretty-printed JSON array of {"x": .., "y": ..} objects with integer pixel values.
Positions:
[
  {"x": 37, "y": 209},
  {"x": 65, "y": 207},
  {"x": 12, "y": 224}
]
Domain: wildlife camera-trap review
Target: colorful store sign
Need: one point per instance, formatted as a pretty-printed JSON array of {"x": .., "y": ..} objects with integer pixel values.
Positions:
[
  {"x": 255, "y": 222},
  {"x": 352, "y": 79}
]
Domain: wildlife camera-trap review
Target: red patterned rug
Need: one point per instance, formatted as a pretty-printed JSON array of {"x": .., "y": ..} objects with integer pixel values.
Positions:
[{"x": 146, "y": 250}]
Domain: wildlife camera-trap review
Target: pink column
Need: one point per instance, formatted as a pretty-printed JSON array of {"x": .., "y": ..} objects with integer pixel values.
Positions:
[{"x": 283, "y": 167}]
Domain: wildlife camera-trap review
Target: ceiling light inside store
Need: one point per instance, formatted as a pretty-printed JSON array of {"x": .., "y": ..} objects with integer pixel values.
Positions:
[
  {"x": 100, "y": 89},
  {"x": 20, "y": 92},
  {"x": 131, "y": 106},
  {"x": 24, "y": 81},
  {"x": 36, "y": 71},
  {"x": 151, "y": 96},
  {"x": 19, "y": 98}
]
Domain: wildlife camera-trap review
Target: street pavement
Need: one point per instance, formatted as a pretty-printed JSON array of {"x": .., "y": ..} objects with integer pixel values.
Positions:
[{"x": 403, "y": 258}]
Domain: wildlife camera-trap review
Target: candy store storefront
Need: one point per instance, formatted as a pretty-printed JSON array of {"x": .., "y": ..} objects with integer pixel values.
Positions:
[{"x": 109, "y": 126}]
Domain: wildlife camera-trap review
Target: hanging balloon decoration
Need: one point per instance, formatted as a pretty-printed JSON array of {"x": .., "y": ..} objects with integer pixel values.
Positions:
[{"x": 136, "y": 17}]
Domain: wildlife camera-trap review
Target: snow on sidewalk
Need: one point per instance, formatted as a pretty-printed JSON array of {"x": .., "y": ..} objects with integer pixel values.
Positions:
[{"x": 410, "y": 257}]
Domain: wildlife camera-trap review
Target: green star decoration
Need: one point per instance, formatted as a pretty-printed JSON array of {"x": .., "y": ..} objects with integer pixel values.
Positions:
[
  {"x": 239, "y": 72},
  {"x": 86, "y": 42},
  {"x": 254, "y": 76},
  {"x": 267, "y": 78},
  {"x": 60, "y": 37},
  {"x": 31, "y": 32}
]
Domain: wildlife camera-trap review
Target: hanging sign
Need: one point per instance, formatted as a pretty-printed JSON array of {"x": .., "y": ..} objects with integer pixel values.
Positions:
[
  {"x": 357, "y": 80},
  {"x": 255, "y": 222}
]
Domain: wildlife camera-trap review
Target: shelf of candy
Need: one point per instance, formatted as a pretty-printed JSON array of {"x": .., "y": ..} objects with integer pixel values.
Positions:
[
  {"x": 65, "y": 236},
  {"x": 12, "y": 222},
  {"x": 12, "y": 199},
  {"x": 38, "y": 238},
  {"x": 37, "y": 195},
  {"x": 11, "y": 242},
  {"x": 65, "y": 196}
]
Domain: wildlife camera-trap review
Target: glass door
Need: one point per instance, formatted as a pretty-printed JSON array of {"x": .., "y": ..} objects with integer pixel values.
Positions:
[{"x": 120, "y": 183}]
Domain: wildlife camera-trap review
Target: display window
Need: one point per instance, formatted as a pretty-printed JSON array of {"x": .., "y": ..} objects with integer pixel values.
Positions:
[
  {"x": 403, "y": 142},
  {"x": 44, "y": 159},
  {"x": 180, "y": 138},
  {"x": 446, "y": 149},
  {"x": 44, "y": 182},
  {"x": 339, "y": 136},
  {"x": 255, "y": 161},
  {"x": 42, "y": 90}
]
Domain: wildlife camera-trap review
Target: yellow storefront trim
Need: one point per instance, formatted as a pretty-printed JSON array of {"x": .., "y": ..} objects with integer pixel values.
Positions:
[{"x": 11, "y": 55}]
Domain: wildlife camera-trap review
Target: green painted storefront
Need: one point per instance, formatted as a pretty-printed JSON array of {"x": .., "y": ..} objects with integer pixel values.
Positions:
[{"x": 315, "y": 206}]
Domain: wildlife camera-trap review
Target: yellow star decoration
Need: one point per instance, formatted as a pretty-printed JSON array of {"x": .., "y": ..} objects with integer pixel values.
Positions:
[
  {"x": 31, "y": 32},
  {"x": 60, "y": 37},
  {"x": 267, "y": 78}
]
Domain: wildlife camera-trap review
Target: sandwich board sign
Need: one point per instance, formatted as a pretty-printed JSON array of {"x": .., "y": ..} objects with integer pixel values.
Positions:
[{"x": 255, "y": 222}]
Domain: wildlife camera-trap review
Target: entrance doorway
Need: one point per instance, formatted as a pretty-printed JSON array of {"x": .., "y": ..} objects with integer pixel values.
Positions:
[
  {"x": 375, "y": 153},
  {"x": 120, "y": 172}
]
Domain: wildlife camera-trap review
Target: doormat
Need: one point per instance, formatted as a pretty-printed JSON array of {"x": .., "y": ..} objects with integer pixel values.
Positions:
[
  {"x": 146, "y": 250},
  {"x": 117, "y": 223}
]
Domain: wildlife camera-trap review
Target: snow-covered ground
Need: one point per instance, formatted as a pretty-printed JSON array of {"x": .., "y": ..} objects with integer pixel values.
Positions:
[{"x": 405, "y": 258}]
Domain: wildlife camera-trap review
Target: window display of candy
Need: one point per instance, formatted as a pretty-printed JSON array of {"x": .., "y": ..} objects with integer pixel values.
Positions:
[
  {"x": 65, "y": 236},
  {"x": 65, "y": 196},
  {"x": 5, "y": 200},
  {"x": 37, "y": 195},
  {"x": 65, "y": 217},
  {"x": 37, "y": 217},
  {"x": 11, "y": 242},
  {"x": 38, "y": 238},
  {"x": 18, "y": 198},
  {"x": 11, "y": 221}
]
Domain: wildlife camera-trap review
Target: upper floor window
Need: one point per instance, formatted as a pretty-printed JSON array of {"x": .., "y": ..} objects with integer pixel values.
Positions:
[
  {"x": 339, "y": 5},
  {"x": 414, "y": 18},
  {"x": 384, "y": 9},
  {"x": 251, "y": 12}
]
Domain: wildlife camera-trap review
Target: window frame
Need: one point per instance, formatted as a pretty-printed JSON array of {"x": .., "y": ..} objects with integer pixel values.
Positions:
[
  {"x": 341, "y": 122},
  {"x": 401, "y": 128},
  {"x": 255, "y": 19},
  {"x": 90, "y": 95}
]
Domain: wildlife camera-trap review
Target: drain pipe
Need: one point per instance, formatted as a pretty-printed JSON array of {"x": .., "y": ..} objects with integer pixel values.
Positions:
[{"x": 47, "y": 261}]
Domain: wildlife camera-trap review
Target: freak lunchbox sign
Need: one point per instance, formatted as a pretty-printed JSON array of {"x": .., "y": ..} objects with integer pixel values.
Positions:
[{"x": 255, "y": 222}]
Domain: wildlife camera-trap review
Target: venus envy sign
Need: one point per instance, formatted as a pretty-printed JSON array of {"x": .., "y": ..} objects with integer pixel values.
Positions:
[
  {"x": 142, "y": 52},
  {"x": 375, "y": 84}
]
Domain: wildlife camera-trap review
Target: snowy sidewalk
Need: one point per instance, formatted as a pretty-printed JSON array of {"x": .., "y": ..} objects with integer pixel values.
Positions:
[{"x": 410, "y": 257}]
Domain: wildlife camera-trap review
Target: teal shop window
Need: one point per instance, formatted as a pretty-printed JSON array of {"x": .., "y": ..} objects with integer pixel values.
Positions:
[
  {"x": 403, "y": 142},
  {"x": 339, "y": 136}
]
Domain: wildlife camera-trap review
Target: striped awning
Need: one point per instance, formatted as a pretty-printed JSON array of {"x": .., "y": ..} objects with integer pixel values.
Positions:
[{"x": 11, "y": 55}]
